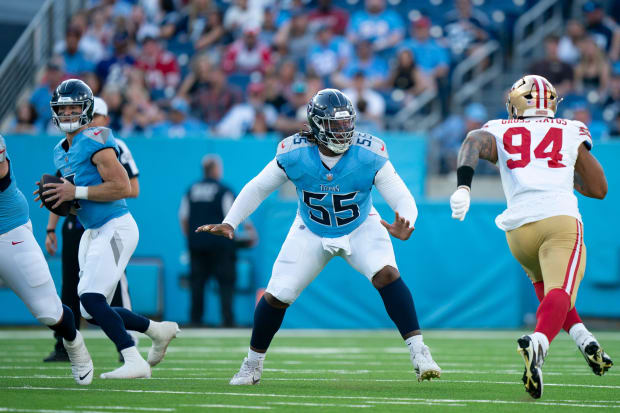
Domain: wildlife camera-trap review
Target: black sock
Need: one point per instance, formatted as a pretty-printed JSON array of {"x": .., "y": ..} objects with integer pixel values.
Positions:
[
  {"x": 398, "y": 302},
  {"x": 267, "y": 322},
  {"x": 132, "y": 321},
  {"x": 66, "y": 327},
  {"x": 109, "y": 320}
]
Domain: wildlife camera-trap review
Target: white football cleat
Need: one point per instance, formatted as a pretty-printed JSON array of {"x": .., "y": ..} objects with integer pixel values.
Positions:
[
  {"x": 249, "y": 373},
  {"x": 161, "y": 334},
  {"x": 595, "y": 356},
  {"x": 423, "y": 363},
  {"x": 135, "y": 366},
  {"x": 81, "y": 364},
  {"x": 533, "y": 356}
]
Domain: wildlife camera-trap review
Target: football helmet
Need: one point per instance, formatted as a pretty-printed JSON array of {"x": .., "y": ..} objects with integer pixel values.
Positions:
[
  {"x": 331, "y": 117},
  {"x": 532, "y": 95},
  {"x": 68, "y": 93}
]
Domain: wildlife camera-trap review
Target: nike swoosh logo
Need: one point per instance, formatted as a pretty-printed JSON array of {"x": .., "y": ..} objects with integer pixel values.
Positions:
[
  {"x": 254, "y": 381},
  {"x": 2, "y": 151},
  {"x": 97, "y": 133},
  {"x": 382, "y": 147},
  {"x": 15, "y": 243},
  {"x": 86, "y": 375}
]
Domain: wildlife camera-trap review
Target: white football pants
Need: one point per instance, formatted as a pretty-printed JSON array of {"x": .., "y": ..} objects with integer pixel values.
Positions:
[
  {"x": 103, "y": 255},
  {"x": 24, "y": 269},
  {"x": 304, "y": 254}
]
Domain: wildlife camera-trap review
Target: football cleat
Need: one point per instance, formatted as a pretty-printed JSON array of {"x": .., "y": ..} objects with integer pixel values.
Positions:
[
  {"x": 423, "y": 364},
  {"x": 58, "y": 354},
  {"x": 533, "y": 357},
  {"x": 161, "y": 334},
  {"x": 595, "y": 356},
  {"x": 81, "y": 364},
  {"x": 249, "y": 373},
  {"x": 135, "y": 366}
]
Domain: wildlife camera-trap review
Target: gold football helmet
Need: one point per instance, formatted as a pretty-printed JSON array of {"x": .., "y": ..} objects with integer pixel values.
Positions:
[{"x": 532, "y": 95}]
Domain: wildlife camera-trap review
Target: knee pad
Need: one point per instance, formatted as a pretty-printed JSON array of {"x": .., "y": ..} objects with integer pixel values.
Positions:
[{"x": 48, "y": 312}]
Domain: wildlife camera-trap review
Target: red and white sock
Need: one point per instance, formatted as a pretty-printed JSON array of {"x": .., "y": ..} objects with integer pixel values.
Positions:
[{"x": 552, "y": 312}]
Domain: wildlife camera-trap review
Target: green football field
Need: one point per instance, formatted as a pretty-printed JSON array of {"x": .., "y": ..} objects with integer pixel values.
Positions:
[{"x": 313, "y": 371}]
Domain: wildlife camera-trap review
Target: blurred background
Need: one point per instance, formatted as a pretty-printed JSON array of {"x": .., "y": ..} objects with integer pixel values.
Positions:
[{"x": 186, "y": 78}]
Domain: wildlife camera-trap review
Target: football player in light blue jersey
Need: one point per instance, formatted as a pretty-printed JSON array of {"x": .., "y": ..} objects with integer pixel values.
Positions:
[
  {"x": 97, "y": 183},
  {"x": 333, "y": 168},
  {"x": 24, "y": 270}
]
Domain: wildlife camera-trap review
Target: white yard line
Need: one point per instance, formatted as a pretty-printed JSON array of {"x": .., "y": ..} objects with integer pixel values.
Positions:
[
  {"x": 363, "y": 399},
  {"x": 228, "y": 406},
  {"x": 146, "y": 409}
]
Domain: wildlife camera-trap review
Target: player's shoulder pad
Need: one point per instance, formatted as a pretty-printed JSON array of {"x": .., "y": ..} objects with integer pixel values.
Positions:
[
  {"x": 370, "y": 143},
  {"x": 292, "y": 143},
  {"x": 99, "y": 134},
  {"x": 582, "y": 131}
]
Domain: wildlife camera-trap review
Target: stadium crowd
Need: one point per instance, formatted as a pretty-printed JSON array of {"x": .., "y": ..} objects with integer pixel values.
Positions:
[{"x": 228, "y": 68}]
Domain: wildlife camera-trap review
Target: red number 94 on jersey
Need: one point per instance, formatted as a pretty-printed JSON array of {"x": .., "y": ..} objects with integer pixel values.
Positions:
[{"x": 549, "y": 147}]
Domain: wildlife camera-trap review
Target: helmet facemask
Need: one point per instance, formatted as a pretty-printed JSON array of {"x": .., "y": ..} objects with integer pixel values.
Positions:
[
  {"x": 336, "y": 132},
  {"x": 75, "y": 120}
]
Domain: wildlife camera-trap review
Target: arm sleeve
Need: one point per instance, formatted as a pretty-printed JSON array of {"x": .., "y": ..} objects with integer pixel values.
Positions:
[
  {"x": 184, "y": 209},
  {"x": 395, "y": 192},
  {"x": 255, "y": 192}
]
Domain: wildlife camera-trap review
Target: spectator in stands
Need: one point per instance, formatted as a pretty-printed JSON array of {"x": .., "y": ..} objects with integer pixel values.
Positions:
[
  {"x": 602, "y": 29},
  {"x": 242, "y": 13},
  {"x": 247, "y": 54},
  {"x": 446, "y": 138},
  {"x": 407, "y": 76},
  {"x": 98, "y": 36},
  {"x": 294, "y": 38},
  {"x": 112, "y": 95},
  {"x": 327, "y": 14},
  {"x": 251, "y": 117},
  {"x": 41, "y": 96},
  {"x": 269, "y": 28},
  {"x": 93, "y": 82},
  {"x": 431, "y": 57},
  {"x": 592, "y": 72},
  {"x": 293, "y": 114},
  {"x": 287, "y": 73},
  {"x": 25, "y": 120},
  {"x": 75, "y": 61},
  {"x": 374, "y": 103},
  {"x": 466, "y": 28},
  {"x": 179, "y": 124},
  {"x": 557, "y": 72},
  {"x": 273, "y": 91},
  {"x": 383, "y": 28},
  {"x": 568, "y": 47},
  {"x": 160, "y": 67},
  {"x": 191, "y": 22},
  {"x": 91, "y": 47},
  {"x": 114, "y": 70},
  {"x": 374, "y": 68},
  {"x": 209, "y": 93},
  {"x": 328, "y": 55},
  {"x": 213, "y": 33}
]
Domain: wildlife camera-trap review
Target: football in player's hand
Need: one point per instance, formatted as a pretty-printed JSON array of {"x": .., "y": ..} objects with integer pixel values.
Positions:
[{"x": 64, "y": 208}]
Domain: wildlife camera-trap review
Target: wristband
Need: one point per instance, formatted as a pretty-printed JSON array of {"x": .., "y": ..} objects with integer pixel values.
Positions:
[
  {"x": 464, "y": 176},
  {"x": 51, "y": 231},
  {"x": 81, "y": 192}
]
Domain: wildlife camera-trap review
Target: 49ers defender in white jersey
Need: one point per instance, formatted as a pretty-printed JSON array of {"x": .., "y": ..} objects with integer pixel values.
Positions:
[
  {"x": 536, "y": 159},
  {"x": 541, "y": 159}
]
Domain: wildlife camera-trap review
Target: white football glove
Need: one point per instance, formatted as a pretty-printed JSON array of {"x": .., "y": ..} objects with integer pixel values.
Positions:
[
  {"x": 2, "y": 149},
  {"x": 459, "y": 202}
]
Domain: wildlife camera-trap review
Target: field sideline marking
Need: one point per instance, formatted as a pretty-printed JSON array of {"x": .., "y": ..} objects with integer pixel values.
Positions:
[{"x": 366, "y": 399}]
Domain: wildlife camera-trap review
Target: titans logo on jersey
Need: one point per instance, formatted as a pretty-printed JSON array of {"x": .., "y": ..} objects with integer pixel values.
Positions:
[
  {"x": 75, "y": 164},
  {"x": 332, "y": 202}
]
